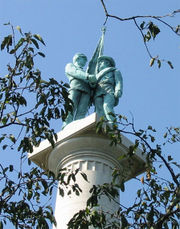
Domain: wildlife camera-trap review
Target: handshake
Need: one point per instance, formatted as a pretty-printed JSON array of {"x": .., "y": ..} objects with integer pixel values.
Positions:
[{"x": 91, "y": 78}]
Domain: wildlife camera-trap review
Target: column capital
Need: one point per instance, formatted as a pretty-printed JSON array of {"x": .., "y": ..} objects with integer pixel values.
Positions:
[{"x": 79, "y": 141}]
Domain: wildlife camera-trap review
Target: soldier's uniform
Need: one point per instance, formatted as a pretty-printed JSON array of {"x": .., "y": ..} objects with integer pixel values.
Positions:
[
  {"x": 79, "y": 92},
  {"x": 109, "y": 81}
]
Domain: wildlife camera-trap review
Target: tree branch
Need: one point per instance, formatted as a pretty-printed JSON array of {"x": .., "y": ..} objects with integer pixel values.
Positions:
[
  {"x": 143, "y": 38},
  {"x": 142, "y": 16},
  {"x": 165, "y": 217},
  {"x": 152, "y": 150},
  {"x": 158, "y": 18}
]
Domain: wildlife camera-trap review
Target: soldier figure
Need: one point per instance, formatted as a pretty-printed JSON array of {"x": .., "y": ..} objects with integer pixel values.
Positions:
[
  {"x": 109, "y": 87},
  {"x": 79, "y": 91}
]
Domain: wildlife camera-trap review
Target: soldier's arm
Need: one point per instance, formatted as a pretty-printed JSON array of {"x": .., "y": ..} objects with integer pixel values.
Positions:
[
  {"x": 72, "y": 72},
  {"x": 118, "y": 84}
]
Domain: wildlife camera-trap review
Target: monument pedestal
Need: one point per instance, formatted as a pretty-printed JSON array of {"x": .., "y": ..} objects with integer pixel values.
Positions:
[{"x": 80, "y": 147}]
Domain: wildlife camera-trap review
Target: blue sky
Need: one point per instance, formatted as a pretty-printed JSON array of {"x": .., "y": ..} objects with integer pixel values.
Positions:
[{"x": 69, "y": 26}]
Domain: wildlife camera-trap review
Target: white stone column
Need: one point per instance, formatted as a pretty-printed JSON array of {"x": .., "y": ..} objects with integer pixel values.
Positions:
[
  {"x": 80, "y": 147},
  {"x": 92, "y": 155}
]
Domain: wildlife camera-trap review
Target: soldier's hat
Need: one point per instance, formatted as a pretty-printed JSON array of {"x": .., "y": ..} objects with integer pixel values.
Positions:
[
  {"x": 110, "y": 59},
  {"x": 79, "y": 55}
]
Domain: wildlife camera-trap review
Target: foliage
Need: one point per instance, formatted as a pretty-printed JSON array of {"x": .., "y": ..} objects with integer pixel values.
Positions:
[
  {"x": 23, "y": 81},
  {"x": 32, "y": 122},
  {"x": 148, "y": 29},
  {"x": 21, "y": 199},
  {"x": 157, "y": 203}
]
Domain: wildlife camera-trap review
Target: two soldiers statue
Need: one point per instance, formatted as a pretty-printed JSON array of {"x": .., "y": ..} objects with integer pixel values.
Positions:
[{"x": 103, "y": 88}]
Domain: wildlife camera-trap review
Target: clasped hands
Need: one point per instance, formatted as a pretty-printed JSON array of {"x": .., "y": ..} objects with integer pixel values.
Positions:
[
  {"x": 91, "y": 78},
  {"x": 93, "y": 81}
]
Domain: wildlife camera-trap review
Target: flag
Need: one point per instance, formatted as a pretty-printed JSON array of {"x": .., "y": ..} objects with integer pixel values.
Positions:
[{"x": 91, "y": 69}]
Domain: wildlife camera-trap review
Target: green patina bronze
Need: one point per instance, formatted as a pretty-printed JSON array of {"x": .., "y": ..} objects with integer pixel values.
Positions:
[
  {"x": 80, "y": 89},
  {"x": 109, "y": 87},
  {"x": 101, "y": 84}
]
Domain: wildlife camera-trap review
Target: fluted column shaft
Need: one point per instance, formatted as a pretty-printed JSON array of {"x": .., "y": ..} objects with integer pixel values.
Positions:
[
  {"x": 80, "y": 147},
  {"x": 92, "y": 155}
]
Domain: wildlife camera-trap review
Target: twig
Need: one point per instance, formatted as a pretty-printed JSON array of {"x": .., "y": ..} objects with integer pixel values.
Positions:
[
  {"x": 158, "y": 18},
  {"x": 147, "y": 49}
]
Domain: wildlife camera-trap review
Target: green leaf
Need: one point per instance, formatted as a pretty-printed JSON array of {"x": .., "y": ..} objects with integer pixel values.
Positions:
[
  {"x": 12, "y": 51},
  {"x": 84, "y": 176},
  {"x": 73, "y": 177},
  {"x": 29, "y": 62},
  {"x": 170, "y": 158},
  {"x": 4, "y": 147},
  {"x": 122, "y": 157},
  {"x": 2, "y": 138},
  {"x": 147, "y": 37},
  {"x": 139, "y": 192},
  {"x": 30, "y": 194},
  {"x": 154, "y": 30},
  {"x": 22, "y": 101},
  {"x": 35, "y": 43},
  {"x": 152, "y": 138},
  {"x": 8, "y": 23},
  {"x": 61, "y": 192},
  {"x": 39, "y": 38},
  {"x": 1, "y": 225},
  {"x": 177, "y": 30},
  {"x": 159, "y": 63},
  {"x": 122, "y": 186},
  {"x": 142, "y": 25},
  {"x": 4, "y": 120},
  {"x": 12, "y": 138},
  {"x": 6, "y": 42},
  {"x": 20, "y": 43},
  {"x": 150, "y": 215},
  {"x": 41, "y": 54},
  {"x": 124, "y": 222},
  {"x": 19, "y": 29},
  {"x": 170, "y": 64},
  {"x": 77, "y": 193},
  {"x": 11, "y": 168},
  {"x": 152, "y": 62},
  {"x": 45, "y": 185},
  {"x": 165, "y": 135}
]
